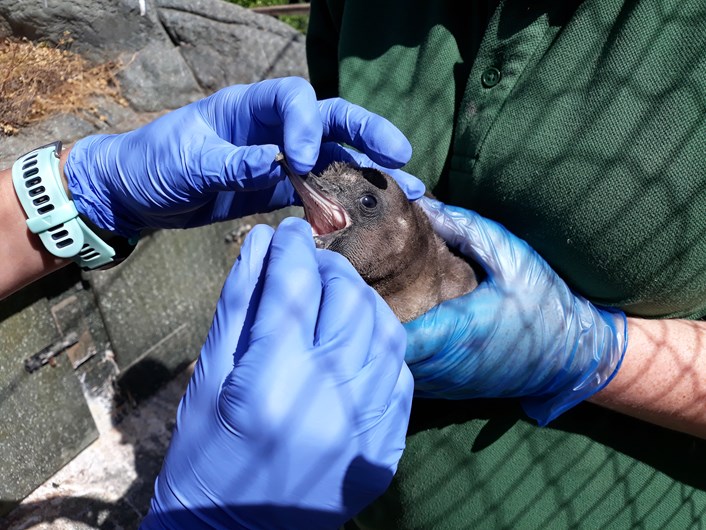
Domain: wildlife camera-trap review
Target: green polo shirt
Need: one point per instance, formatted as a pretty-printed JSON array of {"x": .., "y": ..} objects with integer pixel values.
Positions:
[{"x": 581, "y": 126}]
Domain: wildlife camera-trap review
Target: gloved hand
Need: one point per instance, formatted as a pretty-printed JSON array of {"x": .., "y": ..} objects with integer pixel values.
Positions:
[
  {"x": 192, "y": 166},
  {"x": 520, "y": 333},
  {"x": 296, "y": 414}
]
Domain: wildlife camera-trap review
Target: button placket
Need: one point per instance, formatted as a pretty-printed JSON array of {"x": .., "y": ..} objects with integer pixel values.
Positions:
[{"x": 494, "y": 74}]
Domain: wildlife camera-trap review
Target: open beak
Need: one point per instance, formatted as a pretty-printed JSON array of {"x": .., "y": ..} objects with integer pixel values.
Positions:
[{"x": 324, "y": 214}]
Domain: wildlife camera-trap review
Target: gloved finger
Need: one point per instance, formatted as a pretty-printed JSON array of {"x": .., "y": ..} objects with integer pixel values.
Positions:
[
  {"x": 429, "y": 334},
  {"x": 389, "y": 424},
  {"x": 232, "y": 205},
  {"x": 291, "y": 292},
  {"x": 347, "y": 313},
  {"x": 225, "y": 167},
  {"x": 395, "y": 420},
  {"x": 502, "y": 255},
  {"x": 281, "y": 112},
  {"x": 296, "y": 106},
  {"x": 379, "y": 378},
  {"x": 441, "y": 345},
  {"x": 236, "y": 297},
  {"x": 330, "y": 152},
  {"x": 370, "y": 133},
  {"x": 441, "y": 333}
]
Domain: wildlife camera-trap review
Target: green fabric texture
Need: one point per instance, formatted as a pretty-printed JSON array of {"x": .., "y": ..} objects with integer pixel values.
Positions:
[
  {"x": 590, "y": 469},
  {"x": 591, "y": 145}
]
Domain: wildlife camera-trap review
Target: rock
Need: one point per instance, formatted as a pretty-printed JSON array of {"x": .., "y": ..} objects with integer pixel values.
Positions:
[
  {"x": 173, "y": 51},
  {"x": 157, "y": 77},
  {"x": 225, "y": 44},
  {"x": 99, "y": 28},
  {"x": 71, "y": 127}
]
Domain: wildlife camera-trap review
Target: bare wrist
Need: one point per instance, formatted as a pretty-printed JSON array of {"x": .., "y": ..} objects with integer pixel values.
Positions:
[{"x": 62, "y": 162}]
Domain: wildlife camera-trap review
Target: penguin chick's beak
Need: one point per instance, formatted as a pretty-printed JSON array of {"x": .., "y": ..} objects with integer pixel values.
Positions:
[{"x": 324, "y": 213}]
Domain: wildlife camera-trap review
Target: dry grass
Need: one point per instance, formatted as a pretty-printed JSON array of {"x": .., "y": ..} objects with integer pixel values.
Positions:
[{"x": 38, "y": 80}]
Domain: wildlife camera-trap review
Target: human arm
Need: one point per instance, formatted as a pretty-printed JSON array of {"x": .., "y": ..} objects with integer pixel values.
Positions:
[
  {"x": 297, "y": 411},
  {"x": 661, "y": 379},
  {"x": 524, "y": 334},
  {"x": 208, "y": 161},
  {"x": 25, "y": 258}
]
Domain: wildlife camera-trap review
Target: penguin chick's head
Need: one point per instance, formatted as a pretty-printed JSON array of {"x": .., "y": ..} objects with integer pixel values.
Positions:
[{"x": 362, "y": 214}]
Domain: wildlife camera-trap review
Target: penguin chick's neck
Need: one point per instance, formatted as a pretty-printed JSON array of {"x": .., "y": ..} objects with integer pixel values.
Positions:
[
  {"x": 426, "y": 278},
  {"x": 363, "y": 214}
]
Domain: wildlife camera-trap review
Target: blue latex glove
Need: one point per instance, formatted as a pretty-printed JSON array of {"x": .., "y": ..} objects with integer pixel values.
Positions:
[
  {"x": 520, "y": 333},
  {"x": 296, "y": 414},
  {"x": 191, "y": 166}
]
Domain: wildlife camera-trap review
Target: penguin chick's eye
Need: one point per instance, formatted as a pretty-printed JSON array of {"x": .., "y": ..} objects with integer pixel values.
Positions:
[{"x": 368, "y": 201}]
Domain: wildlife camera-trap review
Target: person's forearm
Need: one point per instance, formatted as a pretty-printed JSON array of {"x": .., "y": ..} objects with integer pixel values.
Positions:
[
  {"x": 25, "y": 258},
  {"x": 662, "y": 378}
]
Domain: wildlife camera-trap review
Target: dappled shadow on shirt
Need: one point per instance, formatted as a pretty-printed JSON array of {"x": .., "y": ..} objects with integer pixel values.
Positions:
[{"x": 482, "y": 463}]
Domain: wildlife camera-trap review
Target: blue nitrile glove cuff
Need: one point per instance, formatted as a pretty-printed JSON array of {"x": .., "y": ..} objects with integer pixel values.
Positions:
[
  {"x": 89, "y": 194},
  {"x": 606, "y": 334}
]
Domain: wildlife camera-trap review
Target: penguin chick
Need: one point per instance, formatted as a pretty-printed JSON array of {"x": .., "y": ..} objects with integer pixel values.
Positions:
[{"x": 363, "y": 214}]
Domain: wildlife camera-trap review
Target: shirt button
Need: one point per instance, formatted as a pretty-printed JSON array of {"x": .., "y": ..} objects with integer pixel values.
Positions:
[{"x": 490, "y": 77}]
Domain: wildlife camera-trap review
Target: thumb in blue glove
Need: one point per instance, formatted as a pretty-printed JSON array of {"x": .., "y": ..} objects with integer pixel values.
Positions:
[
  {"x": 296, "y": 414},
  {"x": 215, "y": 158},
  {"x": 521, "y": 333}
]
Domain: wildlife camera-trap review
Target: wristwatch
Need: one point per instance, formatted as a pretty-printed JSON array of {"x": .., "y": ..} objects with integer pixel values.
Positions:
[{"x": 53, "y": 216}]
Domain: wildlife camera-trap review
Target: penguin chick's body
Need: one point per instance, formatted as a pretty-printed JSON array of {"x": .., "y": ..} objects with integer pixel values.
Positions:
[{"x": 363, "y": 214}]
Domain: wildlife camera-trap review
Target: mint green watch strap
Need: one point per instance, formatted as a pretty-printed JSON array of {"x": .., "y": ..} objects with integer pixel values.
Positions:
[{"x": 51, "y": 214}]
